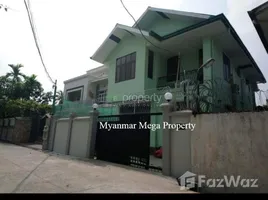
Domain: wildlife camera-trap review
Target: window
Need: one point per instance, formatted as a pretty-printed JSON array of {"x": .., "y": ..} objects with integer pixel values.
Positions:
[
  {"x": 201, "y": 71},
  {"x": 125, "y": 68},
  {"x": 74, "y": 95},
  {"x": 172, "y": 67},
  {"x": 150, "y": 64},
  {"x": 226, "y": 68},
  {"x": 102, "y": 96}
]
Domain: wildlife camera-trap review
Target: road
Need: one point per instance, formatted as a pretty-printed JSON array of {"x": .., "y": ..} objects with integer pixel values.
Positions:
[{"x": 23, "y": 170}]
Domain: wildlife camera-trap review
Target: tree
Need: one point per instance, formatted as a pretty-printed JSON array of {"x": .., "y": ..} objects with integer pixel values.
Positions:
[
  {"x": 32, "y": 87},
  {"x": 15, "y": 74},
  {"x": 45, "y": 98},
  {"x": 5, "y": 85}
]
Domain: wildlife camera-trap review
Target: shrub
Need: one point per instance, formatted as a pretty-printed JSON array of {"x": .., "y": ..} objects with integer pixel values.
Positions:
[{"x": 23, "y": 108}]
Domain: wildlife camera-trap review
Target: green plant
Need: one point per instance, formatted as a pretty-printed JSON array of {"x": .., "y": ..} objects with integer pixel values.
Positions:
[{"x": 24, "y": 108}]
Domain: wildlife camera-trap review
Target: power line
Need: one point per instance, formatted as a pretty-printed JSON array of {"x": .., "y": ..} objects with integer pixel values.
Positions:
[
  {"x": 35, "y": 37},
  {"x": 141, "y": 30}
]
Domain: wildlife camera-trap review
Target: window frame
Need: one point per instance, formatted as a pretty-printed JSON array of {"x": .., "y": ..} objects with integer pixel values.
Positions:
[
  {"x": 227, "y": 72},
  {"x": 76, "y": 89},
  {"x": 125, "y": 67}
]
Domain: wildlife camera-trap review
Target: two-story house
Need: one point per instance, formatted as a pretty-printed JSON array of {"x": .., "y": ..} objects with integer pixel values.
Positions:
[
  {"x": 163, "y": 51},
  {"x": 166, "y": 47}
]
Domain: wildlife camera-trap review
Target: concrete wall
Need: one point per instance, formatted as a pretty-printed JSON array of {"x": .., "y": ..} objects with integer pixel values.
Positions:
[
  {"x": 231, "y": 144},
  {"x": 15, "y": 130},
  {"x": 73, "y": 136},
  {"x": 61, "y": 136},
  {"x": 221, "y": 145},
  {"x": 80, "y": 137}
]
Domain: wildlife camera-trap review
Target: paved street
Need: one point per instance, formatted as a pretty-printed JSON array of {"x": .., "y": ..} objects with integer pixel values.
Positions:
[{"x": 26, "y": 170}]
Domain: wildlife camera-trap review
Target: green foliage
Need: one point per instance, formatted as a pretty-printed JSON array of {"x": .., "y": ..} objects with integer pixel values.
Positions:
[
  {"x": 20, "y": 95},
  {"x": 16, "y": 85},
  {"x": 23, "y": 108}
]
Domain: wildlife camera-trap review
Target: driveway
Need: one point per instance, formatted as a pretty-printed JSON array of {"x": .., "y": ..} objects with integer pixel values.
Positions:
[{"x": 30, "y": 171}]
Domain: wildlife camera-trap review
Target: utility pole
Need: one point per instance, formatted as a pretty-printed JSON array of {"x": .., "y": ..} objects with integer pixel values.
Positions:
[{"x": 54, "y": 97}]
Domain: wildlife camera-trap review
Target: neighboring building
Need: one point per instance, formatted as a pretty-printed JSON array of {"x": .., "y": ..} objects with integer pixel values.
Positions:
[
  {"x": 144, "y": 58},
  {"x": 259, "y": 17},
  {"x": 89, "y": 87}
]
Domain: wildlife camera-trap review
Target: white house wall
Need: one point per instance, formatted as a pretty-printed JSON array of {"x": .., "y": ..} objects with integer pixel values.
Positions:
[{"x": 83, "y": 83}]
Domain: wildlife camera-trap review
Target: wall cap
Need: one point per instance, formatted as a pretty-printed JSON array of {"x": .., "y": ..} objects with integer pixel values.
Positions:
[
  {"x": 81, "y": 118},
  {"x": 182, "y": 112}
]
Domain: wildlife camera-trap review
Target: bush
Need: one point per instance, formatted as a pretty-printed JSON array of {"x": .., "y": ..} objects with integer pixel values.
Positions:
[{"x": 23, "y": 108}]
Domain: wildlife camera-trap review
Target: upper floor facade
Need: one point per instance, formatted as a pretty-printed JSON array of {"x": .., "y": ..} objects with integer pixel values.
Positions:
[
  {"x": 166, "y": 47},
  {"x": 92, "y": 86}
]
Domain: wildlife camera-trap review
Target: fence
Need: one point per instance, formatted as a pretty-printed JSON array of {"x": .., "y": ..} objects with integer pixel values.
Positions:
[
  {"x": 221, "y": 144},
  {"x": 72, "y": 136},
  {"x": 15, "y": 130}
]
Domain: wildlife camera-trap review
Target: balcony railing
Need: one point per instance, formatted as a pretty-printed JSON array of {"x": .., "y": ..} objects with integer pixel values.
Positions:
[
  {"x": 101, "y": 98},
  {"x": 171, "y": 79}
]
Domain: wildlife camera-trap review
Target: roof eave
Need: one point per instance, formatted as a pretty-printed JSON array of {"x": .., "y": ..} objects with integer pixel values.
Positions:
[
  {"x": 75, "y": 78},
  {"x": 259, "y": 9},
  {"x": 169, "y": 11},
  {"x": 253, "y": 16},
  {"x": 225, "y": 21},
  {"x": 122, "y": 27}
]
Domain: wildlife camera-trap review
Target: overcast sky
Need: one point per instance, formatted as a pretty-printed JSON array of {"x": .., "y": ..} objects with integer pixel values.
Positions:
[{"x": 69, "y": 31}]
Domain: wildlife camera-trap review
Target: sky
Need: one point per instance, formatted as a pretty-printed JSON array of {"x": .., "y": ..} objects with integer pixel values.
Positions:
[{"x": 70, "y": 31}]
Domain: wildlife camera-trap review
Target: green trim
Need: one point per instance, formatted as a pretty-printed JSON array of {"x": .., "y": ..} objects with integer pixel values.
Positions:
[
  {"x": 155, "y": 35},
  {"x": 190, "y": 28},
  {"x": 225, "y": 21}
]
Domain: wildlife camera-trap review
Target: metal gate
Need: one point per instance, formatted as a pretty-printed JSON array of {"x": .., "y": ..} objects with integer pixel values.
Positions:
[
  {"x": 38, "y": 123},
  {"x": 121, "y": 139}
]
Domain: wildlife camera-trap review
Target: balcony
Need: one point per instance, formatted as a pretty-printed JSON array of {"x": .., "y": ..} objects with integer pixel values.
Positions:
[
  {"x": 101, "y": 98},
  {"x": 170, "y": 80}
]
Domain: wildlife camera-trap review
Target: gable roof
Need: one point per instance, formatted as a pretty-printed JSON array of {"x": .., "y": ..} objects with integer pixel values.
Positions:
[
  {"x": 121, "y": 31},
  {"x": 259, "y": 17},
  {"x": 168, "y": 14},
  {"x": 116, "y": 35}
]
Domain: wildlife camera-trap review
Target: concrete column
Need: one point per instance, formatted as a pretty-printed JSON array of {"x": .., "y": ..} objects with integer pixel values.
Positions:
[
  {"x": 52, "y": 132},
  {"x": 72, "y": 116},
  {"x": 167, "y": 108},
  {"x": 92, "y": 137},
  {"x": 207, "y": 54},
  {"x": 180, "y": 144}
]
